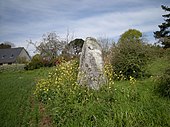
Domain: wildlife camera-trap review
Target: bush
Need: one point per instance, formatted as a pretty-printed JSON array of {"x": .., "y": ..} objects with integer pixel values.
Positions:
[
  {"x": 167, "y": 53},
  {"x": 130, "y": 55},
  {"x": 130, "y": 59},
  {"x": 155, "y": 51},
  {"x": 35, "y": 63},
  {"x": 163, "y": 84},
  {"x": 38, "y": 61}
]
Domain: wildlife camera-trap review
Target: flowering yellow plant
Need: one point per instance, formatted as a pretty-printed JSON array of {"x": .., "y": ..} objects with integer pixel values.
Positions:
[{"x": 64, "y": 76}]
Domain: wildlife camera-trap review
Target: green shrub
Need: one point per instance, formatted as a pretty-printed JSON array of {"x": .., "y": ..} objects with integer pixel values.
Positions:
[
  {"x": 155, "y": 51},
  {"x": 38, "y": 61},
  {"x": 130, "y": 59},
  {"x": 35, "y": 63},
  {"x": 130, "y": 55},
  {"x": 163, "y": 84}
]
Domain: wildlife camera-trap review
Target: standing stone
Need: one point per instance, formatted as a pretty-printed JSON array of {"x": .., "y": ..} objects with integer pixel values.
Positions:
[{"x": 91, "y": 65}]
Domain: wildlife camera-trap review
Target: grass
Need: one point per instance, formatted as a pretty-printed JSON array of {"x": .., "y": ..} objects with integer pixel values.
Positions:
[
  {"x": 12, "y": 67},
  {"x": 140, "y": 107},
  {"x": 126, "y": 105},
  {"x": 158, "y": 66},
  {"x": 18, "y": 107}
]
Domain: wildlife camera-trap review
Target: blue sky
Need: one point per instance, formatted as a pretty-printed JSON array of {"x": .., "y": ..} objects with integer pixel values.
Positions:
[{"x": 21, "y": 20}]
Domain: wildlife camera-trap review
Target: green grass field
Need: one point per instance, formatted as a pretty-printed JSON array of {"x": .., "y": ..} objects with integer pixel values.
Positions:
[
  {"x": 18, "y": 107},
  {"x": 137, "y": 106}
]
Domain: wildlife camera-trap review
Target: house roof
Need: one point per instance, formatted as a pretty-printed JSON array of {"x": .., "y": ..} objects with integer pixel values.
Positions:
[{"x": 10, "y": 55}]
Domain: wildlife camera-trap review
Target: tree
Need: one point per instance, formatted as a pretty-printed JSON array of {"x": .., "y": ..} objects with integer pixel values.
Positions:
[
  {"x": 50, "y": 46},
  {"x": 164, "y": 33},
  {"x": 4, "y": 46},
  {"x": 74, "y": 47},
  {"x": 129, "y": 56},
  {"x": 9, "y": 43},
  {"x": 130, "y": 36}
]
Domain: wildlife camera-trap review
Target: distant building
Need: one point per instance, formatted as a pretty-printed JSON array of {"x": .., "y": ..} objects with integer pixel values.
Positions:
[{"x": 13, "y": 55}]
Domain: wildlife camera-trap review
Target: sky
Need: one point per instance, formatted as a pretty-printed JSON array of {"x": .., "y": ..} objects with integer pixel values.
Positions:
[{"x": 22, "y": 20}]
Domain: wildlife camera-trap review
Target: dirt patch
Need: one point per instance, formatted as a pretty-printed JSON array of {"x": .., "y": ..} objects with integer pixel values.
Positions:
[
  {"x": 42, "y": 119},
  {"x": 45, "y": 120}
]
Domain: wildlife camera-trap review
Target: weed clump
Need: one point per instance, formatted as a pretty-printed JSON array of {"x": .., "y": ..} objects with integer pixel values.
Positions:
[{"x": 59, "y": 80}]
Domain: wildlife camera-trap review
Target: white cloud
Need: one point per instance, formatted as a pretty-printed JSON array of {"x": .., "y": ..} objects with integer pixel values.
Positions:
[
  {"x": 21, "y": 20},
  {"x": 113, "y": 24}
]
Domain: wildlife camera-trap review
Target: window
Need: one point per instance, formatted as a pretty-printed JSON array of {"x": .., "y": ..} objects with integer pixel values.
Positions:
[
  {"x": 3, "y": 56},
  {"x": 12, "y": 56}
]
